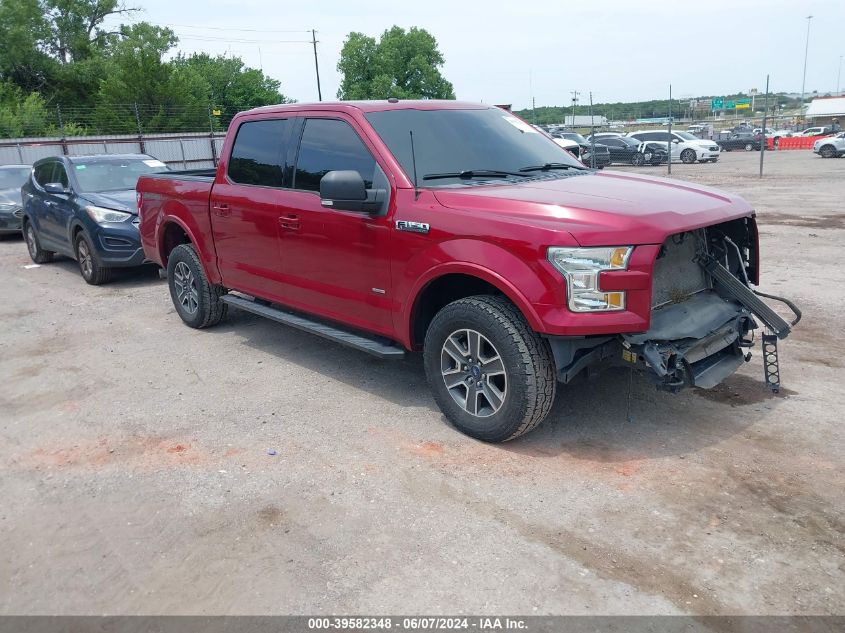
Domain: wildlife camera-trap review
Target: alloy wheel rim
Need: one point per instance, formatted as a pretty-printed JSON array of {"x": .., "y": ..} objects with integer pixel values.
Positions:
[
  {"x": 186, "y": 288},
  {"x": 474, "y": 373},
  {"x": 86, "y": 263}
]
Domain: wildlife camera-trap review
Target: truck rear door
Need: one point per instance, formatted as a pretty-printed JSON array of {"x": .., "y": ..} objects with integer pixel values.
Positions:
[{"x": 246, "y": 204}]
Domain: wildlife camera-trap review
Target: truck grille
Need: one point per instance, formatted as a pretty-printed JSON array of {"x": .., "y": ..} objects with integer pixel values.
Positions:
[{"x": 676, "y": 275}]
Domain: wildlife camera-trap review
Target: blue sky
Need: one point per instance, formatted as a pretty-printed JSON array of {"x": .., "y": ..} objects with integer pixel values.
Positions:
[{"x": 499, "y": 52}]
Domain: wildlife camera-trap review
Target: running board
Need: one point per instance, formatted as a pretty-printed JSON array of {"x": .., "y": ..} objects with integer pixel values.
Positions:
[{"x": 379, "y": 348}]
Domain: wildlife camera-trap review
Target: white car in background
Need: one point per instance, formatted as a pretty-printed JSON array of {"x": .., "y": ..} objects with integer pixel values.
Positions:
[
  {"x": 685, "y": 147},
  {"x": 830, "y": 146}
]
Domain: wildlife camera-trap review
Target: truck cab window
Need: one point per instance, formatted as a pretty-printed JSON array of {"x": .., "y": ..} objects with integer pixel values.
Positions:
[
  {"x": 329, "y": 145},
  {"x": 258, "y": 155}
]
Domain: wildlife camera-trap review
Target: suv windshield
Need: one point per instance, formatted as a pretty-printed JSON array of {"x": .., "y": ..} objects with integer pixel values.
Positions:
[
  {"x": 455, "y": 141},
  {"x": 101, "y": 175},
  {"x": 13, "y": 178}
]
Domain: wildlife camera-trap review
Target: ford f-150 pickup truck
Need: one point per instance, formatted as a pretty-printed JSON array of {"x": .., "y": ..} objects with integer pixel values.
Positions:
[{"x": 458, "y": 230}]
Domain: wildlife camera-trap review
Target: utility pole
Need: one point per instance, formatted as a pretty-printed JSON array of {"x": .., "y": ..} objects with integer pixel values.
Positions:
[
  {"x": 806, "y": 50},
  {"x": 316, "y": 64},
  {"x": 592, "y": 135},
  {"x": 669, "y": 144},
  {"x": 839, "y": 74},
  {"x": 575, "y": 94},
  {"x": 764, "y": 141}
]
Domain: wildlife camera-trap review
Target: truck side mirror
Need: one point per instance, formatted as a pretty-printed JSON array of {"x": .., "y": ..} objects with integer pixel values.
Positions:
[
  {"x": 345, "y": 190},
  {"x": 56, "y": 188}
]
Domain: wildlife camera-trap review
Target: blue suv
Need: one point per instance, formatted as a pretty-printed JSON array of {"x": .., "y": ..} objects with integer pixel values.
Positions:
[{"x": 84, "y": 207}]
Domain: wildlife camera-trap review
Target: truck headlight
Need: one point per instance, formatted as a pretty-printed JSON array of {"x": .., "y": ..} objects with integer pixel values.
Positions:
[
  {"x": 581, "y": 268},
  {"x": 100, "y": 214}
]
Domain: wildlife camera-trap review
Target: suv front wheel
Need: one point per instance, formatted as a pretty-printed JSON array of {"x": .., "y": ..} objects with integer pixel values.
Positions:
[
  {"x": 491, "y": 375},
  {"x": 688, "y": 156}
]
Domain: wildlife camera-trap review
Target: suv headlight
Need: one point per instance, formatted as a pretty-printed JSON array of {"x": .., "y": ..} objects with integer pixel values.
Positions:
[
  {"x": 581, "y": 268},
  {"x": 100, "y": 214}
]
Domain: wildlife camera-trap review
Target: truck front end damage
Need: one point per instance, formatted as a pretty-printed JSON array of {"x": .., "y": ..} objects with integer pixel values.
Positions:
[
  {"x": 703, "y": 315},
  {"x": 704, "y": 311}
]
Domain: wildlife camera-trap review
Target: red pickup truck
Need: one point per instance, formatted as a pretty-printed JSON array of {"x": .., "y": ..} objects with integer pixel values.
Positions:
[{"x": 458, "y": 230}]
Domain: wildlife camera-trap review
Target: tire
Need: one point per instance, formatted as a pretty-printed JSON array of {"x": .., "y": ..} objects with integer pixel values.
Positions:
[
  {"x": 198, "y": 302},
  {"x": 638, "y": 159},
  {"x": 525, "y": 386},
  {"x": 749, "y": 147},
  {"x": 36, "y": 253},
  {"x": 91, "y": 270},
  {"x": 827, "y": 151},
  {"x": 688, "y": 156}
]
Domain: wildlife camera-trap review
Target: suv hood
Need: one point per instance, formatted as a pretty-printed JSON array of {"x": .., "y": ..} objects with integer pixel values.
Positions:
[
  {"x": 601, "y": 209},
  {"x": 117, "y": 200},
  {"x": 10, "y": 196}
]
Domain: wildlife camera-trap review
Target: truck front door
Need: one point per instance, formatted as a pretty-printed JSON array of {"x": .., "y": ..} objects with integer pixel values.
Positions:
[{"x": 335, "y": 263}]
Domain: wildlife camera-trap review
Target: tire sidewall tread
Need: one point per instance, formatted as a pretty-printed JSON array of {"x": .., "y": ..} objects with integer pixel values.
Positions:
[
  {"x": 211, "y": 308},
  {"x": 527, "y": 356}
]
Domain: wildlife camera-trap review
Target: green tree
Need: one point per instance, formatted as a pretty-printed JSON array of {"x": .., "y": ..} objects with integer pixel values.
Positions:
[
  {"x": 171, "y": 97},
  {"x": 402, "y": 64},
  {"x": 232, "y": 87},
  {"x": 74, "y": 25},
  {"x": 23, "y": 31},
  {"x": 23, "y": 114}
]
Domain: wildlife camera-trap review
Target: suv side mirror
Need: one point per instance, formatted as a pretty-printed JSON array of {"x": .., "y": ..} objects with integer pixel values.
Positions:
[
  {"x": 345, "y": 190},
  {"x": 56, "y": 187}
]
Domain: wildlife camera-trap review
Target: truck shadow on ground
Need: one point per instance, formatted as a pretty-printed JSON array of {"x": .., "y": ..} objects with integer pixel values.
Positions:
[{"x": 593, "y": 419}]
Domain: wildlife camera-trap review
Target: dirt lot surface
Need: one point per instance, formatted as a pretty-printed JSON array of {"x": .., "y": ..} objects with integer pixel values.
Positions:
[{"x": 136, "y": 477}]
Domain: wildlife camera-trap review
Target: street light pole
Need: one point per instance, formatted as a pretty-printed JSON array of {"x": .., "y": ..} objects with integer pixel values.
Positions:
[
  {"x": 806, "y": 49},
  {"x": 839, "y": 74}
]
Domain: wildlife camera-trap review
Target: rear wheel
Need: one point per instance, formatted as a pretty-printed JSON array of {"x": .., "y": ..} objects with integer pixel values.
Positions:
[
  {"x": 827, "y": 151},
  {"x": 491, "y": 375},
  {"x": 92, "y": 272},
  {"x": 688, "y": 156},
  {"x": 749, "y": 147},
  {"x": 197, "y": 301},
  {"x": 36, "y": 253}
]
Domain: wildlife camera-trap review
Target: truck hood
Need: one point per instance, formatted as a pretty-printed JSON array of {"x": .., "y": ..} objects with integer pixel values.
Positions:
[
  {"x": 117, "y": 200},
  {"x": 601, "y": 209}
]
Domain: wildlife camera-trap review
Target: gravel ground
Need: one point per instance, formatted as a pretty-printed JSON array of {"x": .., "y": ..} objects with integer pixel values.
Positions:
[{"x": 136, "y": 477}]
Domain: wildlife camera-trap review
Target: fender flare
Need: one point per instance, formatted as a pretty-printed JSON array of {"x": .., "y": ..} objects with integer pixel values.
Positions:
[{"x": 473, "y": 269}]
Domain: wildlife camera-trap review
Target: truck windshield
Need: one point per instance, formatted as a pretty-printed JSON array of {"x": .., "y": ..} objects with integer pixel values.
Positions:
[
  {"x": 118, "y": 174},
  {"x": 459, "y": 141}
]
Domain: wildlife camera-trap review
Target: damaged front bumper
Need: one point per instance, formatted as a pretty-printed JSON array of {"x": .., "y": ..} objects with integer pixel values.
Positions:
[{"x": 697, "y": 343}]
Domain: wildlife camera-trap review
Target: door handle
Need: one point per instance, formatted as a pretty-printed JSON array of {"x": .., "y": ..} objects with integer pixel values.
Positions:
[
  {"x": 222, "y": 209},
  {"x": 289, "y": 221}
]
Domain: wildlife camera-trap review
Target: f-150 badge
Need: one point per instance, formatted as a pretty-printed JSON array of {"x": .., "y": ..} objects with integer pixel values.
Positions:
[{"x": 413, "y": 227}]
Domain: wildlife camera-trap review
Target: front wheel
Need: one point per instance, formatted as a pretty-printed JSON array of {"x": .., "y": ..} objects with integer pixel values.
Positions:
[
  {"x": 92, "y": 272},
  {"x": 491, "y": 375},
  {"x": 638, "y": 159},
  {"x": 36, "y": 253},
  {"x": 197, "y": 301},
  {"x": 828, "y": 151},
  {"x": 688, "y": 156}
]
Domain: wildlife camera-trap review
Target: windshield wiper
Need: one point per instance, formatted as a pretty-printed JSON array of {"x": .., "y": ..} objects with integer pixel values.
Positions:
[
  {"x": 474, "y": 173},
  {"x": 549, "y": 167}
]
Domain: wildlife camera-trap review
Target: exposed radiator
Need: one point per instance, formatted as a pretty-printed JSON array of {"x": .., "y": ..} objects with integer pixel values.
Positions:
[{"x": 677, "y": 276}]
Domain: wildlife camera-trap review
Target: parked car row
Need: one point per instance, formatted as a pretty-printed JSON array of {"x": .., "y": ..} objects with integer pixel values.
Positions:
[{"x": 12, "y": 178}]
